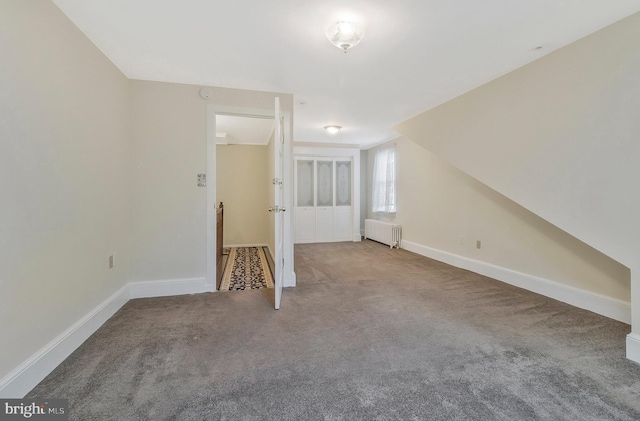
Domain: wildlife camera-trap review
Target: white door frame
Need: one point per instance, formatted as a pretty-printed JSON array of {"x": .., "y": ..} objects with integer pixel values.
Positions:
[{"x": 211, "y": 200}]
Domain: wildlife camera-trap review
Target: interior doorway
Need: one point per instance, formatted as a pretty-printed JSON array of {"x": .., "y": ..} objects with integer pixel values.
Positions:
[
  {"x": 282, "y": 193},
  {"x": 244, "y": 170}
]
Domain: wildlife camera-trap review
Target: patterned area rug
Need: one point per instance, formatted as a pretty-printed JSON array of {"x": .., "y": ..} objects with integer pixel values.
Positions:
[{"x": 247, "y": 268}]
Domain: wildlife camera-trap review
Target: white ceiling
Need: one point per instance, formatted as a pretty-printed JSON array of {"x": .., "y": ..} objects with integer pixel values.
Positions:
[{"x": 416, "y": 54}]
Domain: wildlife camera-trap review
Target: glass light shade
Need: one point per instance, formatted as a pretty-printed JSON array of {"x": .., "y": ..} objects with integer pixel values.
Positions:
[
  {"x": 345, "y": 34},
  {"x": 332, "y": 129}
]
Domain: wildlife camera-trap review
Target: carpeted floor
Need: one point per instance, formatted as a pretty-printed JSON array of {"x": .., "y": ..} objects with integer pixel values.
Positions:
[{"x": 369, "y": 333}]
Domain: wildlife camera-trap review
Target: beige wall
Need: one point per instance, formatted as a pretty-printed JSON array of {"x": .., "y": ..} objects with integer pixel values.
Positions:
[
  {"x": 559, "y": 136},
  {"x": 169, "y": 150},
  {"x": 64, "y": 177},
  {"x": 242, "y": 172},
  {"x": 438, "y": 203},
  {"x": 92, "y": 164}
]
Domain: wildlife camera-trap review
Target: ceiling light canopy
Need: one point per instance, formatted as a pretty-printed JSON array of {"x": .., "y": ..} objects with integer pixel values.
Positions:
[
  {"x": 345, "y": 34},
  {"x": 332, "y": 130}
]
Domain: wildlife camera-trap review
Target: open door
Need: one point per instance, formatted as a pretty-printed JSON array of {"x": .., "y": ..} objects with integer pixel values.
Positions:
[{"x": 278, "y": 205}]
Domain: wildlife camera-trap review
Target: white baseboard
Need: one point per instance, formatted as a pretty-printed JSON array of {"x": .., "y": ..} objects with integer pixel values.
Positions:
[
  {"x": 168, "y": 287},
  {"x": 358, "y": 237},
  {"x": 600, "y": 304},
  {"x": 633, "y": 347},
  {"x": 27, "y": 375}
]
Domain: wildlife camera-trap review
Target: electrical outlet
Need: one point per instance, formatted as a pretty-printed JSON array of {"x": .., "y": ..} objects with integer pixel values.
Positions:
[
  {"x": 478, "y": 244},
  {"x": 461, "y": 239},
  {"x": 112, "y": 261}
]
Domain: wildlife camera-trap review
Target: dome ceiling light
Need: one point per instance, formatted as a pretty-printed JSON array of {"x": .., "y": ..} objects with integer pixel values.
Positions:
[
  {"x": 332, "y": 130},
  {"x": 345, "y": 35}
]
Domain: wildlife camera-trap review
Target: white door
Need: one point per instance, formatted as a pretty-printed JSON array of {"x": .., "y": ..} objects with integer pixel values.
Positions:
[{"x": 278, "y": 205}]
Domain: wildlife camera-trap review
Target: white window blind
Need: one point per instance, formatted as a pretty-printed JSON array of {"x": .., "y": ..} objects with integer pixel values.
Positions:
[{"x": 384, "y": 180}]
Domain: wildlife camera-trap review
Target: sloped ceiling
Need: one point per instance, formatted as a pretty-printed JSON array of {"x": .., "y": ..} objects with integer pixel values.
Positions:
[{"x": 416, "y": 54}]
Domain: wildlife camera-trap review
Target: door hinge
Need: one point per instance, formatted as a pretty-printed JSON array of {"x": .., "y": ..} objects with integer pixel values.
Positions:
[
  {"x": 276, "y": 182},
  {"x": 202, "y": 180}
]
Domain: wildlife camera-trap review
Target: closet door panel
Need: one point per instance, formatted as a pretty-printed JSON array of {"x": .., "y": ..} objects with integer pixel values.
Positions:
[
  {"x": 325, "y": 183},
  {"x": 343, "y": 223},
  {"x": 305, "y": 183},
  {"x": 324, "y": 223},
  {"x": 343, "y": 183},
  {"x": 305, "y": 225},
  {"x": 324, "y": 200}
]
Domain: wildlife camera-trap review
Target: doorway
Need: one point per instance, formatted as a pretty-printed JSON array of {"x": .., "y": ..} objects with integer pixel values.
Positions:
[
  {"x": 285, "y": 274},
  {"x": 244, "y": 170}
]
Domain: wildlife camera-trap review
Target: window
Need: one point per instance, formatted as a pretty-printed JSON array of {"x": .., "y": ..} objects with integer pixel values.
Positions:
[{"x": 384, "y": 180}]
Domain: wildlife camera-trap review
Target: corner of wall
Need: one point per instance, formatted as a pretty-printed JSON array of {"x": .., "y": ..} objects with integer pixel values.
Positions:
[
  {"x": 32, "y": 371},
  {"x": 605, "y": 306}
]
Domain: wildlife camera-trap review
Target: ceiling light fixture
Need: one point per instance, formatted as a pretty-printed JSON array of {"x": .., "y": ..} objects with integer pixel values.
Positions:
[
  {"x": 332, "y": 130},
  {"x": 345, "y": 34}
]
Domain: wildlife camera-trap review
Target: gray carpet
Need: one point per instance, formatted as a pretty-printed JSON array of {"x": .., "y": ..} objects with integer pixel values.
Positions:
[{"x": 369, "y": 333}]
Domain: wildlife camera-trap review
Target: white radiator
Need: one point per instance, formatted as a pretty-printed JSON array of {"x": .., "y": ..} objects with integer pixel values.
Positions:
[{"x": 383, "y": 232}]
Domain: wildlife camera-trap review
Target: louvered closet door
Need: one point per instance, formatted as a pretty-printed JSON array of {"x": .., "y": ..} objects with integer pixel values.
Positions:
[{"x": 324, "y": 201}]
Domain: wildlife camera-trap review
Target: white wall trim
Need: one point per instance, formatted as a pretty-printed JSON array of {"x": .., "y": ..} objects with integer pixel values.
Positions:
[
  {"x": 211, "y": 221},
  {"x": 27, "y": 375},
  {"x": 633, "y": 347},
  {"x": 600, "y": 304},
  {"x": 167, "y": 288}
]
